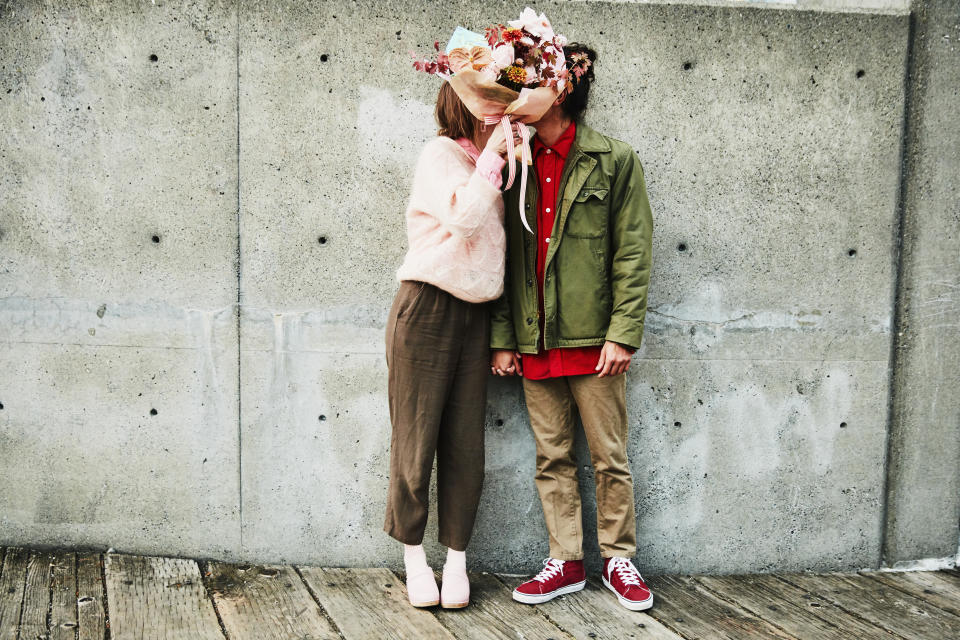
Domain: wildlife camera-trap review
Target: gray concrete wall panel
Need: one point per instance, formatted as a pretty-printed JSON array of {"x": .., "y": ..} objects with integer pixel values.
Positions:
[
  {"x": 118, "y": 282},
  {"x": 923, "y": 514}
]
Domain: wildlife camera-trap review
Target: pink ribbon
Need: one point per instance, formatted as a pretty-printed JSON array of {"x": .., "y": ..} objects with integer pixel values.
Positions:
[{"x": 524, "y": 157}]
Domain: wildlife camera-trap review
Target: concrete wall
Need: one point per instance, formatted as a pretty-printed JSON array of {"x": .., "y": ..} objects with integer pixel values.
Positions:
[{"x": 269, "y": 148}]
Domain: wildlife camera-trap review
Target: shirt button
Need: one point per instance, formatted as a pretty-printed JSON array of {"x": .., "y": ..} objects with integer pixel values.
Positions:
[
  {"x": 548, "y": 179},
  {"x": 548, "y": 209},
  {"x": 549, "y": 150}
]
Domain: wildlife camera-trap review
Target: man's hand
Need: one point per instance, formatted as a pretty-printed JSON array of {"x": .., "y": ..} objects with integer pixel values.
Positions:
[
  {"x": 504, "y": 362},
  {"x": 614, "y": 359}
]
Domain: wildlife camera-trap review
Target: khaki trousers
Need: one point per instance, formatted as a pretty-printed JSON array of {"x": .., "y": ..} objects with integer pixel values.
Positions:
[
  {"x": 602, "y": 405},
  {"x": 438, "y": 358}
]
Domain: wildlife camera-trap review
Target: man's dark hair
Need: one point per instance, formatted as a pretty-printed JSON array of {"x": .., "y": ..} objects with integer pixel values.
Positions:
[{"x": 575, "y": 103}]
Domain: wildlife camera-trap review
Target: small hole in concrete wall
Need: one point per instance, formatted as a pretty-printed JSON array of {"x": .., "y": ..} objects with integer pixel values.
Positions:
[
  {"x": 498, "y": 422},
  {"x": 322, "y": 239},
  {"x": 322, "y": 417},
  {"x": 155, "y": 239},
  {"x": 42, "y": 99},
  {"x": 861, "y": 73},
  {"x": 153, "y": 412},
  {"x": 676, "y": 424},
  {"x": 1, "y": 405},
  {"x": 852, "y": 252},
  {"x": 687, "y": 66},
  {"x": 682, "y": 246},
  {"x": 323, "y": 57},
  {"x": 153, "y": 57},
  {"x": 843, "y": 425}
]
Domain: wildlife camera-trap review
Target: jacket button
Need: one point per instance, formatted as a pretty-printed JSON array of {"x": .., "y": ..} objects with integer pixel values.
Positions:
[
  {"x": 529, "y": 283},
  {"x": 528, "y": 205},
  {"x": 529, "y": 320}
]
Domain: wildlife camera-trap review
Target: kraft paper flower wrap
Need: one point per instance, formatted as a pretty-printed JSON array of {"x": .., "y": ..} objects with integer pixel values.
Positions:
[{"x": 511, "y": 74}]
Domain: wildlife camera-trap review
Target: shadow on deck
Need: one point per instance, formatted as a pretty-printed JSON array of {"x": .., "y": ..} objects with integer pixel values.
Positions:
[{"x": 59, "y": 594}]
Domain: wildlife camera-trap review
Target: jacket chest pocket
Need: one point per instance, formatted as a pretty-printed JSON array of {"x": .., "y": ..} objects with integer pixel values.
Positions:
[{"x": 588, "y": 214}]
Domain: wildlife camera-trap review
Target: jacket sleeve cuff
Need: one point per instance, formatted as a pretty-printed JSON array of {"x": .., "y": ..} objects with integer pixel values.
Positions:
[{"x": 490, "y": 166}]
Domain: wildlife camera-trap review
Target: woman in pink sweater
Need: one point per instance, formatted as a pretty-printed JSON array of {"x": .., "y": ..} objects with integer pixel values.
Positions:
[{"x": 438, "y": 344}]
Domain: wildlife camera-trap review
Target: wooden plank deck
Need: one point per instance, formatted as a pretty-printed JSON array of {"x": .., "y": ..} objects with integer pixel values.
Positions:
[{"x": 80, "y": 595}]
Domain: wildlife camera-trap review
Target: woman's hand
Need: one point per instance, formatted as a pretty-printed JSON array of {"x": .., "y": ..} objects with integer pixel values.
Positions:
[
  {"x": 498, "y": 143},
  {"x": 504, "y": 362}
]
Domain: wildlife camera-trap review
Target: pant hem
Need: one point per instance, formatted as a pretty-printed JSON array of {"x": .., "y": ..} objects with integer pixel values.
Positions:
[
  {"x": 618, "y": 554},
  {"x": 449, "y": 544},
  {"x": 413, "y": 541}
]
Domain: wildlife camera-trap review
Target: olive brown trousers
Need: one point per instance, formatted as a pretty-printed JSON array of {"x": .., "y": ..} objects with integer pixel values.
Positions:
[
  {"x": 438, "y": 362},
  {"x": 552, "y": 404}
]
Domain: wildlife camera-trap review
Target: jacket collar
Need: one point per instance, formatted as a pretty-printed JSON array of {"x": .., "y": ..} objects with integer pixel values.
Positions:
[{"x": 588, "y": 139}]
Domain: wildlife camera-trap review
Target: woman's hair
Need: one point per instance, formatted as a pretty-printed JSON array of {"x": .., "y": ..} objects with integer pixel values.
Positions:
[
  {"x": 575, "y": 102},
  {"x": 453, "y": 117}
]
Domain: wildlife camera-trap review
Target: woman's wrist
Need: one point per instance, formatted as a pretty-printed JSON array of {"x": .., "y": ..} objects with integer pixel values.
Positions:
[{"x": 490, "y": 165}]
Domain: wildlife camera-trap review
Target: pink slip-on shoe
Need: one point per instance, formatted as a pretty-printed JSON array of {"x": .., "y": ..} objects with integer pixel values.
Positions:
[
  {"x": 455, "y": 587},
  {"x": 422, "y": 588},
  {"x": 558, "y": 577},
  {"x": 621, "y": 577}
]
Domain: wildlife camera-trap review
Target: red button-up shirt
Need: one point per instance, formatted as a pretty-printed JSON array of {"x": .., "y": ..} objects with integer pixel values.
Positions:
[{"x": 567, "y": 361}]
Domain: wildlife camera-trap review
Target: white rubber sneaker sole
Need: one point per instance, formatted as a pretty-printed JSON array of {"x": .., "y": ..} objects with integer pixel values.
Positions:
[
  {"x": 527, "y": 598},
  {"x": 629, "y": 604}
]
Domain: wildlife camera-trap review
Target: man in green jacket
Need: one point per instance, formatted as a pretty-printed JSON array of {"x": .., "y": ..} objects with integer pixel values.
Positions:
[{"x": 570, "y": 317}]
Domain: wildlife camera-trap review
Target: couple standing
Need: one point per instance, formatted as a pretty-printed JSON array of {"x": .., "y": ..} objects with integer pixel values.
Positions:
[{"x": 563, "y": 308}]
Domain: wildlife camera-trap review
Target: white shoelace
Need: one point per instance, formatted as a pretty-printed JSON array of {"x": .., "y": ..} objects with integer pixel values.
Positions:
[
  {"x": 551, "y": 568},
  {"x": 627, "y": 573}
]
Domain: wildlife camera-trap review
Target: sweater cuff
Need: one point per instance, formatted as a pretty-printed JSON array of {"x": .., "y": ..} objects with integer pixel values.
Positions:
[{"x": 490, "y": 166}]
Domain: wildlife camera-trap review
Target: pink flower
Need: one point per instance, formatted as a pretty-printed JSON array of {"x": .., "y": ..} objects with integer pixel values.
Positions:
[
  {"x": 531, "y": 74},
  {"x": 503, "y": 56},
  {"x": 537, "y": 25}
]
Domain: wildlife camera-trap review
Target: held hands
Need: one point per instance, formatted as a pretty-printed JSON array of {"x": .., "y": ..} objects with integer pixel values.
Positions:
[
  {"x": 614, "y": 359},
  {"x": 504, "y": 362},
  {"x": 498, "y": 143}
]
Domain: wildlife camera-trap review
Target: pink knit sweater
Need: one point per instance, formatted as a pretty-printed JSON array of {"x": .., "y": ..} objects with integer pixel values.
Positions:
[{"x": 454, "y": 217}]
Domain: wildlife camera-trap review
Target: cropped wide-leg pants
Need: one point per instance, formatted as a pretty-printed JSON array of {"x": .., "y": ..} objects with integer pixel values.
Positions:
[{"x": 438, "y": 363}]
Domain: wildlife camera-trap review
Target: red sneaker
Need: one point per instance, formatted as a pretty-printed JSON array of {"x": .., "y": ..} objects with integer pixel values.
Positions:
[
  {"x": 555, "y": 579},
  {"x": 621, "y": 577}
]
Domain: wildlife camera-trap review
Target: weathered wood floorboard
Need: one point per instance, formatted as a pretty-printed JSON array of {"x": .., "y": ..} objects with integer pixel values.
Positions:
[
  {"x": 266, "y": 603},
  {"x": 36, "y": 597},
  {"x": 689, "y": 609},
  {"x": 91, "y": 597},
  {"x": 792, "y": 609},
  {"x": 156, "y": 598},
  {"x": 882, "y": 605},
  {"x": 63, "y": 599},
  {"x": 928, "y": 586},
  {"x": 596, "y": 613},
  {"x": 12, "y": 579},
  {"x": 371, "y": 603},
  {"x": 494, "y": 615},
  {"x": 62, "y": 595}
]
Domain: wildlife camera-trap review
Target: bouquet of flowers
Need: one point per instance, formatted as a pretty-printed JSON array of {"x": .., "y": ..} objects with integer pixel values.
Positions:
[{"x": 511, "y": 73}]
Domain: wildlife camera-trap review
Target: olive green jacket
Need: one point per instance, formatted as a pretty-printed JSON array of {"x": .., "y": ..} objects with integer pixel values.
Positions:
[{"x": 598, "y": 259}]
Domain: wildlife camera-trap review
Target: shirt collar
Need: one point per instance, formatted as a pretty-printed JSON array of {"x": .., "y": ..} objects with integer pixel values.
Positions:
[{"x": 562, "y": 146}]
